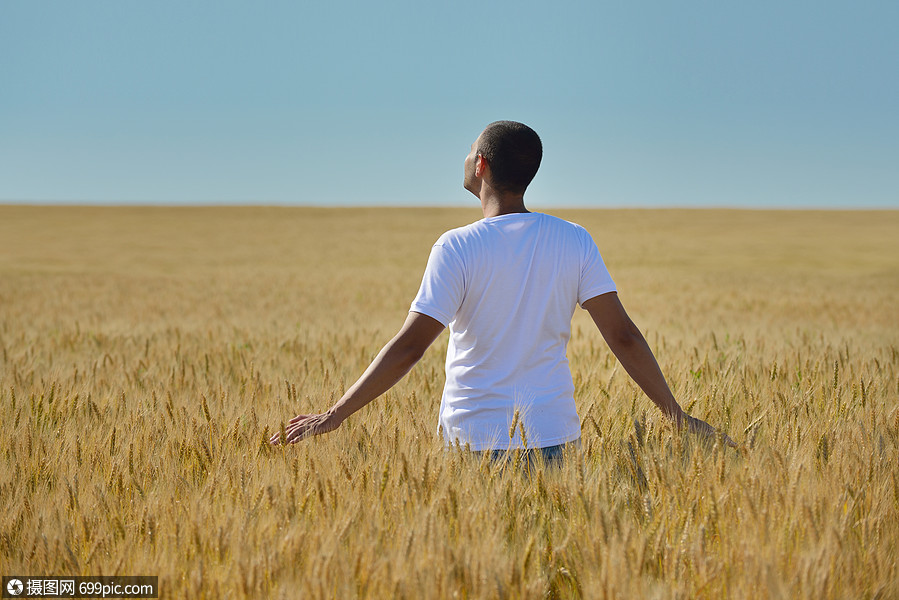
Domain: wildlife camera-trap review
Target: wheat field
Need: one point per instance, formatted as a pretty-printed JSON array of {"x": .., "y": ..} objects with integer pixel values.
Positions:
[{"x": 148, "y": 353}]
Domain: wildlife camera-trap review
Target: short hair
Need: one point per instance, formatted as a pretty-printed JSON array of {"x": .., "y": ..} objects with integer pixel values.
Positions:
[{"x": 513, "y": 151}]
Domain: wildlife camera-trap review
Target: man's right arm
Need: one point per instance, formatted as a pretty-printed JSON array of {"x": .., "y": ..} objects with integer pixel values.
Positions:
[
  {"x": 634, "y": 354},
  {"x": 392, "y": 363}
]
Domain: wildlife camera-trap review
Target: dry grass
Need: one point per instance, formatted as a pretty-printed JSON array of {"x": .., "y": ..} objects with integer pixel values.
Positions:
[{"x": 147, "y": 351}]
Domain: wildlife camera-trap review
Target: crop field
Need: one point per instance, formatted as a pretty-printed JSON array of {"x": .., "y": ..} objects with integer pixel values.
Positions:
[{"x": 146, "y": 354}]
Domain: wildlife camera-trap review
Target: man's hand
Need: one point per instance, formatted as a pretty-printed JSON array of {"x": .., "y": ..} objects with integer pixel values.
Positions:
[
  {"x": 303, "y": 426},
  {"x": 706, "y": 431}
]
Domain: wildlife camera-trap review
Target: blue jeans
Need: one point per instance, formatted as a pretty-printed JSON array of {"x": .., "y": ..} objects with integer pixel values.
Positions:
[{"x": 550, "y": 455}]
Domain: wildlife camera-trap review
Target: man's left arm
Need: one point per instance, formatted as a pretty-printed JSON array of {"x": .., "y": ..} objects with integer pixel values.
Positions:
[
  {"x": 634, "y": 354},
  {"x": 396, "y": 359}
]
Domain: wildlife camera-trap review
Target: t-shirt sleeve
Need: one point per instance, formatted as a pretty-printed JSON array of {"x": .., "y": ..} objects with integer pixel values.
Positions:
[
  {"x": 442, "y": 286},
  {"x": 595, "y": 277}
]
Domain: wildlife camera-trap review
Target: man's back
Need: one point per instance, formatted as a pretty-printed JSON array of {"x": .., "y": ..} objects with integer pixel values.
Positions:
[{"x": 507, "y": 287}]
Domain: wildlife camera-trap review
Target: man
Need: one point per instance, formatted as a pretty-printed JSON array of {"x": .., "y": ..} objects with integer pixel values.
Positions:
[{"x": 507, "y": 287}]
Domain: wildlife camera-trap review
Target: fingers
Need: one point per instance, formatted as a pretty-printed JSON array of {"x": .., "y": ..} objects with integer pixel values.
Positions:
[
  {"x": 299, "y": 428},
  {"x": 701, "y": 428},
  {"x": 291, "y": 435},
  {"x": 303, "y": 429},
  {"x": 289, "y": 432}
]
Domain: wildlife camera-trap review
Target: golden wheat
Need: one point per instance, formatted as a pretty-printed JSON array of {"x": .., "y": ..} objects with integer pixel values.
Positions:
[{"x": 147, "y": 353}]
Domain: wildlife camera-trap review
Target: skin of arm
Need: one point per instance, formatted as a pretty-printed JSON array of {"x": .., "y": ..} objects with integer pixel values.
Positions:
[
  {"x": 632, "y": 351},
  {"x": 391, "y": 364}
]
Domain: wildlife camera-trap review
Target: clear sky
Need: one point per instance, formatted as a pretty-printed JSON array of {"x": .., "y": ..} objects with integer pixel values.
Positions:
[{"x": 717, "y": 103}]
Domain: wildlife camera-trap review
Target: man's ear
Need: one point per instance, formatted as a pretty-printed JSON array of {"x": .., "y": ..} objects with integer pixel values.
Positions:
[{"x": 480, "y": 165}]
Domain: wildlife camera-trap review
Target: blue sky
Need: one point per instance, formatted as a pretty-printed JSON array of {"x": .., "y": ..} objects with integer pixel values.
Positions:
[{"x": 747, "y": 104}]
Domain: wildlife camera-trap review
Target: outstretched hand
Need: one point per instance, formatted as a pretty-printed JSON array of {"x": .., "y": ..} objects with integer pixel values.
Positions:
[
  {"x": 302, "y": 426},
  {"x": 706, "y": 431}
]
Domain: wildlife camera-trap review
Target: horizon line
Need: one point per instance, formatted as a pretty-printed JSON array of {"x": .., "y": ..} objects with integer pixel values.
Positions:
[{"x": 227, "y": 204}]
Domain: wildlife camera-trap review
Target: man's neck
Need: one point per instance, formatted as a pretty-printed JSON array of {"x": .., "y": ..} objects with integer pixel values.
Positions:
[{"x": 496, "y": 204}]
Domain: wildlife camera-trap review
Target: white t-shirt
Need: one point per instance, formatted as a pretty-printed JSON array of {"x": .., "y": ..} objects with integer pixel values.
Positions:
[{"x": 507, "y": 287}]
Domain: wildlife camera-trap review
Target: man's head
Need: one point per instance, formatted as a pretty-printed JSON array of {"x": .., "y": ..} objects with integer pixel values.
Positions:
[{"x": 512, "y": 151}]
